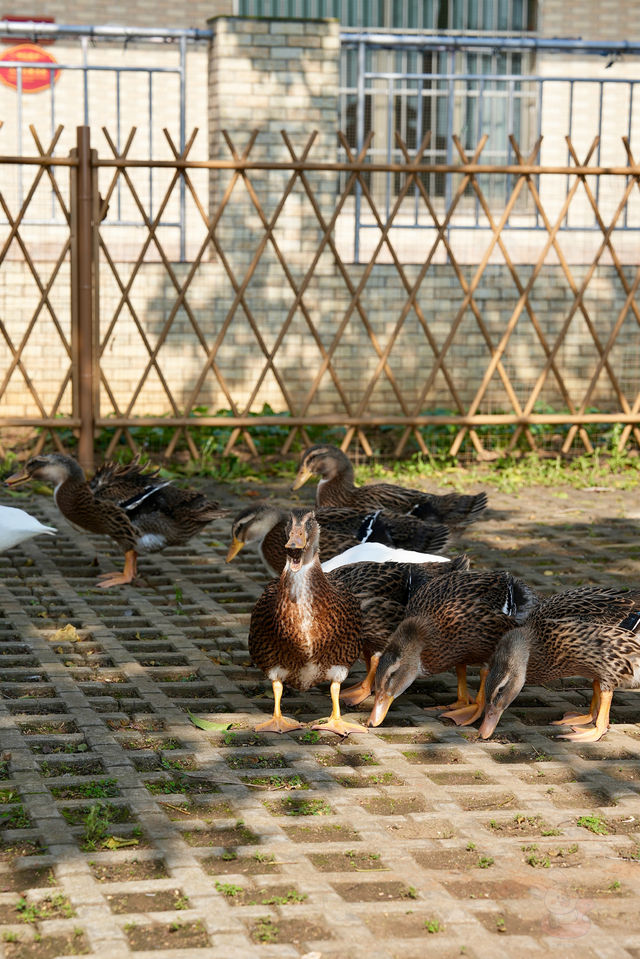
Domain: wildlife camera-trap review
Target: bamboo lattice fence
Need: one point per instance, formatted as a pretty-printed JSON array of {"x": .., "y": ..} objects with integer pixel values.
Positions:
[{"x": 309, "y": 316}]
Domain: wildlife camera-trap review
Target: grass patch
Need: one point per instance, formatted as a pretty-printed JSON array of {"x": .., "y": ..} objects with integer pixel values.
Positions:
[
  {"x": 52, "y": 907},
  {"x": 277, "y": 782},
  {"x": 15, "y": 818},
  {"x": 510, "y": 472},
  {"x": 265, "y": 930},
  {"x": 290, "y": 897},
  {"x": 93, "y": 790},
  {"x": 256, "y": 762},
  {"x": 595, "y": 824},
  {"x": 8, "y": 796},
  {"x": 97, "y": 822},
  {"x": 299, "y": 807},
  {"x": 228, "y": 889}
]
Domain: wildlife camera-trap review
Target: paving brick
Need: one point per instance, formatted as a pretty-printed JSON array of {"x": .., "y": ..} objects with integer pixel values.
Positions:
[{"x": 424, "y": 837}]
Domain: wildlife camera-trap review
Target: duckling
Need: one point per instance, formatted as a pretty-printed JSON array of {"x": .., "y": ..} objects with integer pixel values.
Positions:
[
  {"x": 140, "y": 511},
  {"x": 309, "y": 627},
  {"x": 450, "y": 622},
  {"x": 336, "y": 488},
  {"x": 16, "y": 526},
  {"x": 592, "y": 631},
  {"x": 340, "y": 529}
]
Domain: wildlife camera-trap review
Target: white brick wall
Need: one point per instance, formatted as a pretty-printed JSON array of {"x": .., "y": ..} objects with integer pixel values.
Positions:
[{"x": 240, "y": 360}]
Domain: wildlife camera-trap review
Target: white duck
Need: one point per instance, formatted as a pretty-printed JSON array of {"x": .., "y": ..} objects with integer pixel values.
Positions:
[{"x": 16, "y": 526}]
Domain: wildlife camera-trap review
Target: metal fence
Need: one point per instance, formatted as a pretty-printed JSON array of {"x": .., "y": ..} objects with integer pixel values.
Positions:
[
  {"x": 450, "y": 84},
  {"x": 471, "y": 86},
  {"x": 114, "y": 76},
  {"x": 354, "y": 353}
]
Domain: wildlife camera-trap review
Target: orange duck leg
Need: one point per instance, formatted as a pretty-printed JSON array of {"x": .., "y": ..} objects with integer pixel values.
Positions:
[
  {"x": 602, "y": 722},
  {"x": 578, "y": 719},
  {"x": 127, "y": 575},
  {"x": 278, "y": 723},
  {"x": 463, "y": 697},
  {"x": 468, "y": 714},
  {"x": 335, "y": 723},
  {"x": 354, "y": 695}
]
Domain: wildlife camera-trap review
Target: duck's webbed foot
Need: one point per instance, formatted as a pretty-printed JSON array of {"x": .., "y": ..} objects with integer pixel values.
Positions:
[
  {"x": 278, "y": 723},
  {"x": 582, "y": 719},
  {"x": 468, "y": 714},
  {"x": 465, "y": 715},
  {"x": 464, "y": 698},
  {"x": 128, "y": 574},
  {"x": 459, "y": 704},
  {"x": 574, "y": 719},
  {"x": 596, "y": 732},
  {"x": 591, "y": 735},
  {"x": 355, "y": 695},
  {"x": 339, "y": 726},
  {"x": 335, "y": 723}
]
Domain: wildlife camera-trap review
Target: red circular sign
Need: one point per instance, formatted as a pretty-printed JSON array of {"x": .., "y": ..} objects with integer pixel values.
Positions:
[{"x": 34, "y": 78}]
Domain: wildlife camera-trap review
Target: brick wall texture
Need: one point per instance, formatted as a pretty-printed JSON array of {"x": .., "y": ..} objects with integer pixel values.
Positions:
[
  {"x": 240, "y": 362},
  {"x": 602, "y": 20}
]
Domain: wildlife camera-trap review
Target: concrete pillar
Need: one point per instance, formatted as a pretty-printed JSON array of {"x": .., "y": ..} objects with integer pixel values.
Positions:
[
  {"x": 272, "y": 75},
  {"x": 269, "y": 76}
]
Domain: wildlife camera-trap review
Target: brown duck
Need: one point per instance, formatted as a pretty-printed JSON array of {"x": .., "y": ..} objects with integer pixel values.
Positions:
[
  {"x": 310, "y": 627},
  {"x": 139, "y": 510},
  {"x": 337, "y": 488},
  {"x": 593, "y": 631},
  {"x": 340, "y": 529},
  {"x": 451, "y": 622},
  {"x": 384, "y": 591}
]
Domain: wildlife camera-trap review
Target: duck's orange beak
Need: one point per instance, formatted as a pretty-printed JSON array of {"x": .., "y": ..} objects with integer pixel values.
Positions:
[
  {"x": 234, "y": 549},
  {"x": 380, "y": 708},
  {"x": 491, "y": 719},
  {"x": 17, "y": 478},
  {"x": 301, "y": 478}
]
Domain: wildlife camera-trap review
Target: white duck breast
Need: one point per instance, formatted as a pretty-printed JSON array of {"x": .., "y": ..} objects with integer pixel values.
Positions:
[
  {"x": 16, "y": 526},
  {"x": 379, "y": 553}
]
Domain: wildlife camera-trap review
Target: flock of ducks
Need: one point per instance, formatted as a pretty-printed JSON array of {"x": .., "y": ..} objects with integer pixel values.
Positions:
[{"x": 359, "y": 575}]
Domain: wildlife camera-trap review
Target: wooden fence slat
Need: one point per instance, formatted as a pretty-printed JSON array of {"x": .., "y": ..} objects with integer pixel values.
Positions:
[{"x": 379, "y": 367}]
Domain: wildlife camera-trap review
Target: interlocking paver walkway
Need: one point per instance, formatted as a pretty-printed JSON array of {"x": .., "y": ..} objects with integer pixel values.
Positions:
[{"x": 412, "y": 839}]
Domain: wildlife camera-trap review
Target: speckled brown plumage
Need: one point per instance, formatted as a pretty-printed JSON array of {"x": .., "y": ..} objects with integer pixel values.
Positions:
[
  {"x": 310, "y": 627},
  {"x": 304, "y": 629},
  {"x": 137, "y": 509},
  {"x": 385, "y": 590},
  {"x": 337, "y": 488},
  {"x": 591, "y": 632},
  {"x": 450, "y": 622},
  {"x": 340, "y": 529}
]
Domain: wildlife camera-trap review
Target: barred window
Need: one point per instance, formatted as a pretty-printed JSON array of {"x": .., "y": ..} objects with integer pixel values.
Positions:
[
  {"x": 466, "y": 15},
  {"x": 412, "y": 91}
]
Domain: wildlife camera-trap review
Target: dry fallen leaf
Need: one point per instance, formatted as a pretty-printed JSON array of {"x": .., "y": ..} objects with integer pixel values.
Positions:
[
  {"x": 117, "y": 842},
  {"x": 68, "y": 634}
]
